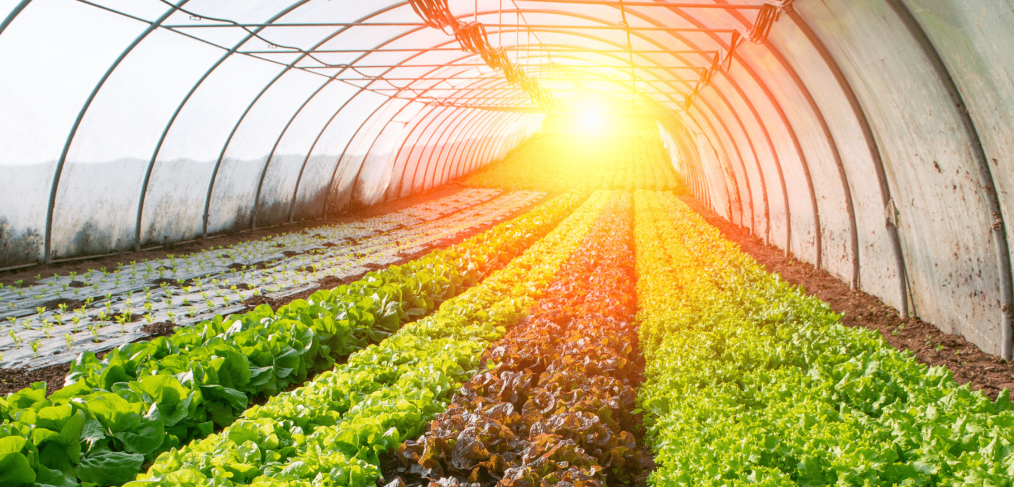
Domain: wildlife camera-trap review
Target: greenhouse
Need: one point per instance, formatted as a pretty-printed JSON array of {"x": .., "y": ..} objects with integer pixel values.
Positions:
[{"x": 512, "y": 243}]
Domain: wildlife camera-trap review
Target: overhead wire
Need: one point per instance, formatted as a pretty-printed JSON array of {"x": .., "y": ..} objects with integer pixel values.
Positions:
[
  {"x": 472, "y": 37},
  {"x": 767, "y": 15}
]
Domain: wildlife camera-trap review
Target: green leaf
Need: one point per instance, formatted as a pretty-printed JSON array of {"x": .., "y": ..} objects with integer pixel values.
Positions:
[
  {"x": 147, "y": 437},
  {"x": 28, "y": 396},
  {"x": 233, "y": 398},
  {"x": 104, "y": 467},
  {"x": 114, "y": 412},
  {"x": 15, "y": 470}
]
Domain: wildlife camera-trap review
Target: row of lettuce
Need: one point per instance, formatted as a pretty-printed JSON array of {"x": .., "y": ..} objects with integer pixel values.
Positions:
[
  {"x": 333, "y": 430},
  {"x": 554, "y": 406},
  {"x": 750, "y": 381},
  {"x": 143, "y": 399}
]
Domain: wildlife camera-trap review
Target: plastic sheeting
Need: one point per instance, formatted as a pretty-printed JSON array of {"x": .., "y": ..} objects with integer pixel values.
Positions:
[{"x": 870, "y": 138}]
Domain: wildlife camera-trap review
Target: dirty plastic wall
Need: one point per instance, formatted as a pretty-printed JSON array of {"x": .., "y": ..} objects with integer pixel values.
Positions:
[
  {"x": 874, "y": 118},
  {"x": 214, "y": 140},
  {"x": 871, "y": 138}
]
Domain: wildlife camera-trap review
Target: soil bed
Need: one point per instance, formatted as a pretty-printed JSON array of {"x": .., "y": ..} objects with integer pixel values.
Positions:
[
  {"x": 13, "y": 380},
  {"x": 931, "y": 346}
]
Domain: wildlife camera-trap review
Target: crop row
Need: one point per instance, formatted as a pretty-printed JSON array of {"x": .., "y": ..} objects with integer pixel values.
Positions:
[
  {"x": 175, "y": 290},
  {"x": 626, "y": 159},
  {"x": 749, "y": 380},
  {"x": 145, "y": 398},
  {"x": 332, "y": 430},
  {"x": 555, "y": 405}
]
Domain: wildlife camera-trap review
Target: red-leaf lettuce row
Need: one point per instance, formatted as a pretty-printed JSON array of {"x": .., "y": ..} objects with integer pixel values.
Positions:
[{"x": 555, "y": 406}]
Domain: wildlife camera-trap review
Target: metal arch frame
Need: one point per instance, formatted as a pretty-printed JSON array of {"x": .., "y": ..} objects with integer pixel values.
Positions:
[
  {"x": 871, "y": 144},
  {"x": 511, "y": 141},
  {"x": 688, "y": 152},
  {"x": 302, "y": 167},
  {"x": 475, "y": 113},
  {"x": 788, "y": 127},
  {"x": 439, "y": 119},
  {"x": 254, "y": 210},
  {"x": 694, "y": 165},
  {"x": 477, "y": 149},
  {"x": 485, "y": 13},
  {"x": 61, "y": 162},
  {"x": 493, "y": 143},
  {"x": 739, "y": 156},
  {"x": 561, "y": 14},
  {"x": 997, "y": 230},
  {"x": 702, "y": 172},
  {"x": 466, "y": 134},
  {"x": 576, "y": 68},
  {"x": 466, "y": 57},
  {"x": 328, "y": 123},
  {"x": 384, "y": 128},
  {"x": 460, "y": 116},
  {"x": 525, "y": 131},
  {"x": 477, "y": 137},
  {"x": 457, "y": 170},
  {"x": 242, "y": 117},
  {"x": 441, "y": 67},
  {"x": 366, "y": 155},
  {"x": 452, "y": 122},
  {"x": 436, "y": 156},
  {"x": 338, "y": 164},
  {"x": 271, "y": 155},
  {"x": 426, "y": 185},
  {"x": 839, "y": 164},
  {"x": 12, "y": 14},
  {"x": 727, "y": 165},
  {"x": 404, "y": 141},
  {"x": 733, "y": 82},
  {"x": 753, "y": 151},
  {"x": 349, "y": 144},
  {"x": 179, "y": 109},
  {"x": 746, "y": 99},
  {"x": 493, "y": 138}
]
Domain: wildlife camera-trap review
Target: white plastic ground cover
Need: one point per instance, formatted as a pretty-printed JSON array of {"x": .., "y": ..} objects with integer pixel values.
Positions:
[{"x": 192, "y": 288}]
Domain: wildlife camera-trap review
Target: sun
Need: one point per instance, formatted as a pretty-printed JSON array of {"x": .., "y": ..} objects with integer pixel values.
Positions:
[{"x": 591, "y": 118}]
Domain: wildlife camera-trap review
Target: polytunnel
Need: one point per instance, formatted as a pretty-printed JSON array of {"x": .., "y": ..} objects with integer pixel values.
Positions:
[
  {"x": 467, "y": 243},
  {"x": 870, "y": 138}
]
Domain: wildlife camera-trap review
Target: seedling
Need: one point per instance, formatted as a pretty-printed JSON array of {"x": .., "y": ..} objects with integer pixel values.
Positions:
[
  {"x": 70, "y": 341},
  {"x": 15, "y": 337},
  {"x": 35, "y": 348}
]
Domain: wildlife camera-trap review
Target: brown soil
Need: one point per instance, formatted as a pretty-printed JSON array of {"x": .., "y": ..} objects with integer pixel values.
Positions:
[
  {"x": 969, "y": 365},
  {"x": 28, "y": 274},
  {"x": 13, "y": 380}
]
